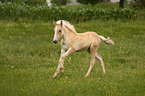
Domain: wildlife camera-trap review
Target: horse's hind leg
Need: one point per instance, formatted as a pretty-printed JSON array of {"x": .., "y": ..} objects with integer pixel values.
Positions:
[
  {"x": 92, "y": 51},
  {"x": 101, "y": 61}
]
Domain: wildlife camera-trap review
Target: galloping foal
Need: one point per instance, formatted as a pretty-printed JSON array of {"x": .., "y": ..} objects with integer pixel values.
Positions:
[{"x": 73, "y": 41}]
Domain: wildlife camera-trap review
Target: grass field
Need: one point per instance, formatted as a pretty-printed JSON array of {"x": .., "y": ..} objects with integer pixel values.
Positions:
[{"x": 28, "y": 60}]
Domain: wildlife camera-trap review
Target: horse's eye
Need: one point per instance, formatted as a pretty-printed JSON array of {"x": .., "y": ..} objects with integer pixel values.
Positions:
[{"x": 59, "y": 30}]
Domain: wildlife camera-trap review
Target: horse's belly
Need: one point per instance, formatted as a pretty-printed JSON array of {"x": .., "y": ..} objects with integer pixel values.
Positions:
[{"x": 82, "y": 47}]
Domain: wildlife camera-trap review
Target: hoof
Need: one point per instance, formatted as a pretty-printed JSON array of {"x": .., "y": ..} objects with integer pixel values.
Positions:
[
  {"x": 54, "y": 76},
  {"x": 62, "y": 73},
  {"x": 104, "y": 72},
  {"x": 86, "y": 76}
]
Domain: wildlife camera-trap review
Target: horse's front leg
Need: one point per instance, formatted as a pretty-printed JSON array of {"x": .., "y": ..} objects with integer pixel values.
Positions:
[
  {"x": 61, "y": 61},
  {"x": 60, "y": 64},
  {"x": 63, "y": 50}
]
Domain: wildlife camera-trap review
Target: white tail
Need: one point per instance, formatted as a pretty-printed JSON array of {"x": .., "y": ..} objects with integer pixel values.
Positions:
[{"x": 107, "y": 41}]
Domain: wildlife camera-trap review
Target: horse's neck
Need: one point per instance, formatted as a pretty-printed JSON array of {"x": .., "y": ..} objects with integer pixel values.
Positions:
[{"x": 68, "y": 34}]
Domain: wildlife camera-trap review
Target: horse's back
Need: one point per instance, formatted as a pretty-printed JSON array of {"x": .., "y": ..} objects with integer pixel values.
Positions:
[
  {"x": 89, "y": 37},
  {"x": 94, "y": 38},
  {"x": 89, "y": 34}
]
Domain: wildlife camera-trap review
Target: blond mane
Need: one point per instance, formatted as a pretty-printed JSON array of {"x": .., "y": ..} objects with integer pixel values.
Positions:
[{"x": 67, "y": 24}]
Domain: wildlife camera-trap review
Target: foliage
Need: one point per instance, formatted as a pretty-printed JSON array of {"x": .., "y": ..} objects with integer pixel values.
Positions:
[
  {"x": 29, "y": 2},
  {"x": 138, "y": 3},
  {"x": 59, "y": 2},
  {"x": 15, "y": 11},
  {"x": 28, "y": 60},
  {"x": 92, "y": 2}
]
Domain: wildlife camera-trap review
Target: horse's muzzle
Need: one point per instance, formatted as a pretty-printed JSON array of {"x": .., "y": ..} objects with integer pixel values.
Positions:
[{"x": 55, "y": 42}]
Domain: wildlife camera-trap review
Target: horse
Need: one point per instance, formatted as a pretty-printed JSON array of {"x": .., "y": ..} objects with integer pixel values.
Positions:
[{"x": 73, "y": 42}]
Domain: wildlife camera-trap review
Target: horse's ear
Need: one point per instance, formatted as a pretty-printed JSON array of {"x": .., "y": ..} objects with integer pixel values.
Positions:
[
  {"x": 54, "y": 22},
  {"x": 61, "y": 23}
]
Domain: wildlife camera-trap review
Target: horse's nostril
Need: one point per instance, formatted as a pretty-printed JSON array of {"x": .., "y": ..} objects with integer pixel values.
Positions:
[{"x": 55, "y": 42}]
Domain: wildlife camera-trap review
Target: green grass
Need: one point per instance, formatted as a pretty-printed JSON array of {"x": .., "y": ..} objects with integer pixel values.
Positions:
[{"x": 28, "y": 60}]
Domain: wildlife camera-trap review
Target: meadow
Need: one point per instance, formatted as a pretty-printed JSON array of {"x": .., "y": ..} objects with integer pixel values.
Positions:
[
  {"x": 28, "y": 57},
  {"x": 28, "y": 60}
]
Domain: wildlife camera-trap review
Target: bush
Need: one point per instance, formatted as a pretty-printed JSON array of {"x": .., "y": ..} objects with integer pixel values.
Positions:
[
  {"x": 59, "y": 2},
  {"x": 29, "y": 2},
  {"x": 92, "y": 2},
  {"x": 138, "y": 3},
  {"x": 14, "y": 11}
]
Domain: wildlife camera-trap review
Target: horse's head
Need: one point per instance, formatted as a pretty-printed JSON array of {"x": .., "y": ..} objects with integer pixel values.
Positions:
[{"x": 57, "y": 31}]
